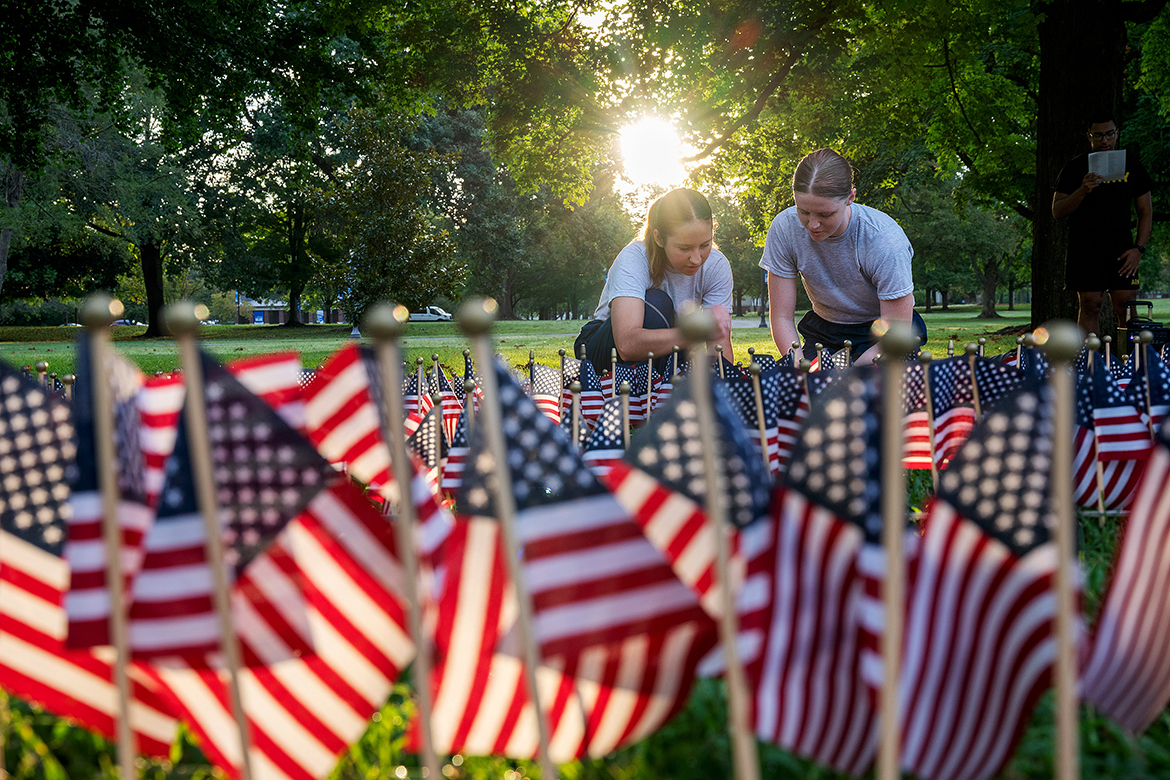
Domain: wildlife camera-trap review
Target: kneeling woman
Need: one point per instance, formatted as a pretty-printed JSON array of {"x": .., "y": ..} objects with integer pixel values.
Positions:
[{"x": 673, "y": 262}]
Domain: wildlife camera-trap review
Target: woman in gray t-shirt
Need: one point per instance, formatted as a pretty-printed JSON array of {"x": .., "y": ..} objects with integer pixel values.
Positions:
[
  {"x": 673, "y": 263},
  {"x": 854, "y": 262}
]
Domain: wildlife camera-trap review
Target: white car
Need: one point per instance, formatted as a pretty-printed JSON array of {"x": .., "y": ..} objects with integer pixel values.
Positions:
[{"x": 430, "y": 314}]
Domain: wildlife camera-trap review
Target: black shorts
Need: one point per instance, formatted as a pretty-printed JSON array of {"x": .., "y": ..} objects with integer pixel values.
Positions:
[
  {"x": 1086, "y": 276},
  {"x": 815, "y": 329},
  {"x": 597, "y": 335}
]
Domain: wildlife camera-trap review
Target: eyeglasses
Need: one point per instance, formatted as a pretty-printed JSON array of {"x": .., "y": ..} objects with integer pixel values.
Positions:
[{"x": 1102, "y": 136}]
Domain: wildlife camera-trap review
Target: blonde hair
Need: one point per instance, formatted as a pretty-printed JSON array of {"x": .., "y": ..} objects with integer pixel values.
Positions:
[
  {"x": 824, "y": 173},
  {"x": 667, "y": 214}
]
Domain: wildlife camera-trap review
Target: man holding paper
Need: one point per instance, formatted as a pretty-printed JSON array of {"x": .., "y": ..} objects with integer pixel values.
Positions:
[{"x": 1095, "y": 191}]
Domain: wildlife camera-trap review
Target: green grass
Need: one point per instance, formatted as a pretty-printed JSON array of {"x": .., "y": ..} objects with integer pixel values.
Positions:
[{"x": 24, "y": 346}]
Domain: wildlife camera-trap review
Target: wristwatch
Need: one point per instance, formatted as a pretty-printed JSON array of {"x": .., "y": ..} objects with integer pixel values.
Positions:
[{"x": 1141, "y": 249}]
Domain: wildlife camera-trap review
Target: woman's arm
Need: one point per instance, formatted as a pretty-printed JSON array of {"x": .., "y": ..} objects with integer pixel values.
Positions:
[
  {"x": 895, "y": 309},
  {"x": 782, "y": 311}
]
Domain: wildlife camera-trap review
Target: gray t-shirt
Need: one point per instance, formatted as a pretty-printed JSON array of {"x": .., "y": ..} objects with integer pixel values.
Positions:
[
  {"x": 629, "y": 277},
  {"x": 845, "y": 276}
]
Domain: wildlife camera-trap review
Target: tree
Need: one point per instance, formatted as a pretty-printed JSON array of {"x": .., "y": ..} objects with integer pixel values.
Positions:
[{"x": 375, "y": 213}]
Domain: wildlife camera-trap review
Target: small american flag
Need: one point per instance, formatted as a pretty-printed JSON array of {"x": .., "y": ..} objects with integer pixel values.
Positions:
[
  {"x": 1152, "y": 397},
  {"x": 1121, "y": 433},
  {"x": 592, "y": 397},
  {"x": 596, "y": 700},
  {"x": 916, "y": 420},
  {"x": 265, "y": 474},
  {"x": 814, "y": 695},
  {"x": 456, "y": 457},
  {"x": 1127, "y": 677},
  {"x": 663, "y": 485},
  {"x": 593, "y": 577},
  {"x": 980, "y": 642},
  {"x": 429, "y": 446},
  {"x": 451, "y": 403},
  {"x": 954, "y": 411},
  {"x": 34, "y": 662},
  {"x": 781, "y": 391},
  {"x": 544, "y": 387},
  {"x": 606, "y": 444}
]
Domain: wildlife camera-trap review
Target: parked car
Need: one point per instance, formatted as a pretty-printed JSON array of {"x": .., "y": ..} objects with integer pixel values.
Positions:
[
  {"x": 430, "y": 314},
  {"x": 128, "y": 322}
]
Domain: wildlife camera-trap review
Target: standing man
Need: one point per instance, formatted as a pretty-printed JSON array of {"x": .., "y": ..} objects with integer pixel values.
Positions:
[{"x": 1102, "y": 254}]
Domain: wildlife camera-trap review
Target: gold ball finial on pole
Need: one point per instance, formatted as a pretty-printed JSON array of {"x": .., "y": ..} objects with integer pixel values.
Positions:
[
  {"x": 385, "y": 320},
  {"x": 477, "y": 316},
  {"x": 100, "y": 311}
]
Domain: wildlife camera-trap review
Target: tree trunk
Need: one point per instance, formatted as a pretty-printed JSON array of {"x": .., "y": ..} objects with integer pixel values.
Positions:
[
  {"x": 1082, "y": 49},
  {"x": 946, "y": 300},
  {"x": 297, "y": 261},
  {"x": 1011, "y": 296},
  {"x": 13, "y": 189},
  {"x": 505, "y": 302},
  {"x": 990, "y": 280},
  {"x": 150, "y": 257}
]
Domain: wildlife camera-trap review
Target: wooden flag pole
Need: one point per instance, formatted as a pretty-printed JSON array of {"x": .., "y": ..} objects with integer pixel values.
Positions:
[
  {"x": 575, "y": 390},
  {"x": 469, "y": 404},
  {"x": 67, "y": 381},
  {"x": 1063, "y": 344},
  {"x": 848, "y": 353},
  {"x": 971, "y": 350},
  {"x": 925, "y": 359},
  {"x": 1108, "y": 360},
  {"x": 649, "y": 382},
  {"x": 950, "y": 347},
  {"x": 98, "y": 312},
  {"x": 898, "y": 342},
  {"x": 386, "y": 323},
  {"x": 561, "y": 397},
  {"x": 982, "y": 345},
  {"x": 418, "y": 376},
  {"x": 613, "y": 372},
  {"x": 437, "y": 432},
  {"x": 675, "y": 369},
  {"x": 796, "y": 353},
  {"x": 761, "y": 426},
  {"x": 1019, "y": 349},
  {"x": 183, "y": 321},
  {"x": 697, "y": 327},
  {"x": 1143, "y": 338},
  {"x": 625, "y": 393},
  {"x": 719, "y": 357},
  {"x": 42, "y": 367},
  {"x": 820, "y": 348},
  {"x": 475, "y": 319},
  {"x": 1093, "y": 344}
]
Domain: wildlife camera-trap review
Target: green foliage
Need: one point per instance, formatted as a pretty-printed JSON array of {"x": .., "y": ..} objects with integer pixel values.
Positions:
[{"x": 374, "y": 212}]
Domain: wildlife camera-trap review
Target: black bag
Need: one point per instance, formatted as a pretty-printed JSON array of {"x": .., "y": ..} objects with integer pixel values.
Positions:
[{"x": 1138, "y": 324}]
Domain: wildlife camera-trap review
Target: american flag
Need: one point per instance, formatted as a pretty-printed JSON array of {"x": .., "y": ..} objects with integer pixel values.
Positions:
[
  {"x": 265, "y": 474},
  {"x": 544, "y": 387},
  {"x": 954, "y": 411},
  {"x": 828, "y": 360},
  {"x": 1034, "y": 362},
  {"x": 814, "y": 693},
  {"x": 606, "y": 443},
  {"x": 1122, "y": 371},
  {"x": 980, "y": 641},
  {"x": 416, "y": 396},
  {"x": 781, "y": 392},
  {"x": 275, "y": 378},
  {"x": 596, "y": 700},
  {"x": 766, "y": 361},
  {"x": 1109, "y": 482},
  {"x": 343, "y": 417},
  {"x": 88, "y": 602},
  {"x": 593, "y": 577},
  {"x": 663, "y": 485},
  {"x": 592, "y": 398},
  {"x": 451, "y": 404},
  {"x": 917, "y": 423},
  {"x": 35, "y": 664},
  {"x": 456, "y": 457},
  {"x": 1152, "y": 397},
  {"x": 1127, "y": 676},
  {"x": 1121, "y": 433},
  {"x": 623, "y": 373},
  {"x": 428, "y": 445},
  {"x": 303, "y": 712}
]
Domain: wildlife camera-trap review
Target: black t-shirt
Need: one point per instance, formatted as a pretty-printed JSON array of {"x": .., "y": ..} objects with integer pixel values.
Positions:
[{"x": 1102, "y": 224}]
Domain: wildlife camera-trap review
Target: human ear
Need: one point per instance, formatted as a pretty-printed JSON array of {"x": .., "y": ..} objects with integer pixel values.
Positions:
[{"x": 658, "y": 239}]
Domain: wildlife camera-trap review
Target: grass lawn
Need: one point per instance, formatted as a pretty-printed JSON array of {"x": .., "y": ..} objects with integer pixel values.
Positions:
[{"x": 25, "y": 346}]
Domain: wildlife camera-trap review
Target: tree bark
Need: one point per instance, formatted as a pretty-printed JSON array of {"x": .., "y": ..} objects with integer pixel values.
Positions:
[
  {"x": 989, "y": 277},
  {"x": 13, "y": 189},
  {"x": 1082, "y": 50},
  {"x": 150, "y": 257},
  {"x": 297, "y": 260}
]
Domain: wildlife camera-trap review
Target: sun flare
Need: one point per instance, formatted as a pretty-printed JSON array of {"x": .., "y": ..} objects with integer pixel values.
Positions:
[{"x": 652, "y": 153}]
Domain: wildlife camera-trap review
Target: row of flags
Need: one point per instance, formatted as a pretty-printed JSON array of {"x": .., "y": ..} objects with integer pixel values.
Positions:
[{"x": 618, "y": 555}]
